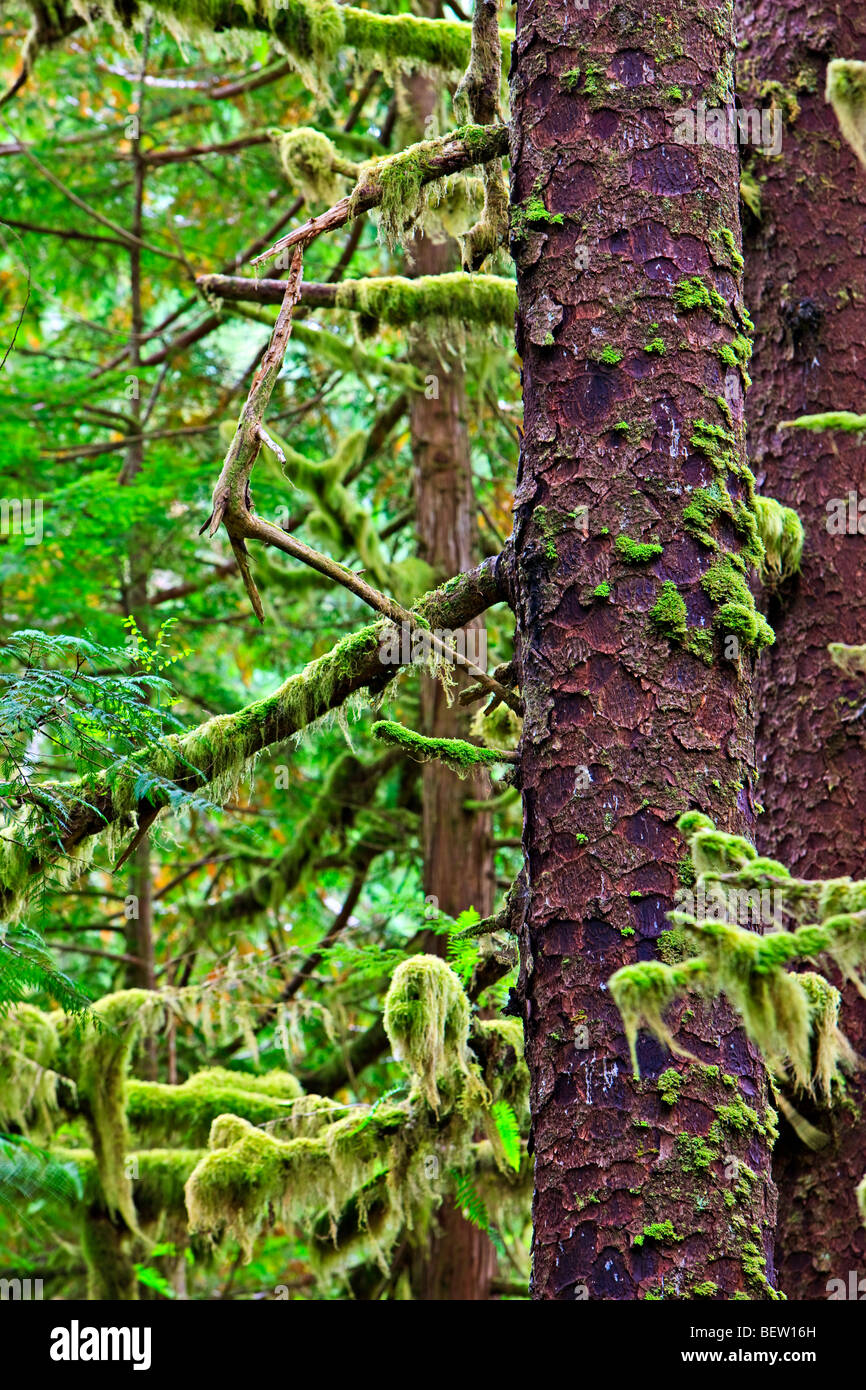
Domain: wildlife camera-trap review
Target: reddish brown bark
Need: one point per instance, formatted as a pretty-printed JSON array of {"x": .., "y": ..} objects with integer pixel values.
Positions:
[
  {"x": 608, "y": 697},
  {"x": 806, "y": 287},
  {"x": 458, "y": 860},
  {"x": 459, "y": 1261}
]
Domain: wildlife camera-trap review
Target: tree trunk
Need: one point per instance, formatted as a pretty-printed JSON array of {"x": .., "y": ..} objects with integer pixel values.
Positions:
[
  {"x": 625, "y": 725},
  {"x": 459, "y": 1261},
  {"x": 806, "y": 286}
]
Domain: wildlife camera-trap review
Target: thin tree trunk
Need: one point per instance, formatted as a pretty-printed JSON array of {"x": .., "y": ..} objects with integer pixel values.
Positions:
[
  {"x": 806, "y": 287},
  {"x": 459, "y": 1261},
  {"x": 624, "y": 729}
]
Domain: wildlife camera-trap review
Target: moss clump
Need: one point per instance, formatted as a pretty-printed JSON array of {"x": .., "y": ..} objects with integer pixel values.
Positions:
[
  {"x": 669, "y": 611},
  {"x": 691, "y": 294},
  {"x": 461, "y": 757},
  {"x": 669, "y": 1084},
  {"x": 737, "y": 613},
  {"x": 581, "y": 838},
  {"x": 846, "y": 93},
  {"x": 636, "y": 552},
  {"x": 409, "y": 187},
  {"x": 754, "y": 1267},
  {"x": 532, "y": 213},
  {"x": 191, "y": 1108},
  {"x": 655, "y": 345},
  {"x": 570, "y": 80},
  {"x": 601, "y": 590},
  {"x": 705, "y": 1290},
  {"x": 610, "y": 355},
  {"x": 729, "y": 242},
  {"x": 621, "y": 427},
  {"x": 673, "y": 94},
  {"x": 701, "y": 643},
  {"x": 595, "y": 83},
  {"x": 694, "y": 1154},
  {"x": 661, "y": 1231}
]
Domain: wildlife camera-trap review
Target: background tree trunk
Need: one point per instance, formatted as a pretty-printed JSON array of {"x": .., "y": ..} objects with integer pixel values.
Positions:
[
  {"x": 624, "y": 729},
  {"x": 806, "y": 287},
  {"x": 459, "y": 1261}
]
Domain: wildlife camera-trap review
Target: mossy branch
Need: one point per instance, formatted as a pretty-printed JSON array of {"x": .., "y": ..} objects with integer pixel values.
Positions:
[
  {"x": 409, "y": 171},
  {"x": 844, "y": 420},
  {"x": 217, "y": 752},
  {"x": 313, "y": 32},
  {"x": 458, "y": 298},
  {"x": 461, "y": 757}
]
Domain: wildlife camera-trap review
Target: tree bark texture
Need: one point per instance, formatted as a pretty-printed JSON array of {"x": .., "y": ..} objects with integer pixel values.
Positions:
[{"x": 624, "y": 729}]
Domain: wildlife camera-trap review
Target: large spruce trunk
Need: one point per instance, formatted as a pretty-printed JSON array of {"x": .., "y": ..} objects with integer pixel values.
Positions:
[
  {"x": 624, "y": 728},
  {"x": 806, "y": 287}
]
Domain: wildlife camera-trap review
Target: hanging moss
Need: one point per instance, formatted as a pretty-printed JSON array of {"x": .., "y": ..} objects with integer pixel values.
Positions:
[
  {"x": 791, "y": 1017},
  {"x": 97, "y": 1056},
  {"x": 457, "y": 298},
  {"x": 846, "y": 93},
  {"x": 312, "y": 163},
  {"x": 30, "y": 1063},
  {"x": 188, "y": 1110},
  {"x": 427, "y": 1022},
  {"x": 314, "y": 31},
  {"x": 365, "y": 1170},
  {"x": 782, "y": 536},
  {"x": 408, "y": 183}
]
